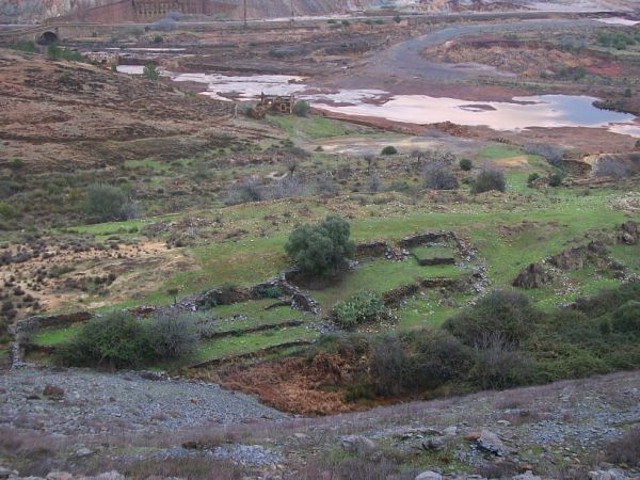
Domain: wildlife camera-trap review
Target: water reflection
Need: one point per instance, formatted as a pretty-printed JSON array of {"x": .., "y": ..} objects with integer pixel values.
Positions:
[
  {"x": 518, "y": 114},
  {"x": 521, "y": 113}
]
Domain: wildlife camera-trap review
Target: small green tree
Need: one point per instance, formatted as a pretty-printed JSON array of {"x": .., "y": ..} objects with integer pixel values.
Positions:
[
  {"x": 389, "y": 150},
  {"x": 465, "y": 164},
  {"x": 321, "y": 249},
  {"x": 301, "y": 108},
  {"x": 150, "y": 71},
  {"x": 106, "y": 203}
]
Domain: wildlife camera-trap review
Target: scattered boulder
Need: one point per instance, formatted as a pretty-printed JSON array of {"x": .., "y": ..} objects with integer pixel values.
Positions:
[
  {"x": 611, "y": 474},
  {"x": 83, "y": 452},
  {"x": 433, "y": 443},
  {"x": 490, "y": 442},
  {"x": 112, "y": 475},
  {"x": 534, "y": 276},
  {"x": 7, "y": 472},
  {"x": 357, "y": 444},
  {"x": 59, "y": 476},
  {"x": 575, "y": 258},
  {"x": 429, "y": 475},
  {"x": 630, "y": 233},
  {"x": 528, "y": 475}
]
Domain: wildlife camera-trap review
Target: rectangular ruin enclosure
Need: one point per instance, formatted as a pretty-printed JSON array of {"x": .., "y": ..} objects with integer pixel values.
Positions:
[{"x": 434, "y": 255}]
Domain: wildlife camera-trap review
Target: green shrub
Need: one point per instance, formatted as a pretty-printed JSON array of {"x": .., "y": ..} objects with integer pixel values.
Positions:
[
  {"x": 7, "y": 211},
  {"x": 16, "y": 164},
  {"x": 24, "y": 46},
  {"x": 106, "y": 203},
  {"x": 608, "y": 300},
  {"x": 556, "y": 178},
  {"x": 389, "y": 150},
  {"x": 321, "y": 249},
  {"x": 532, "y": 178},
  {"x": 54, "y": 52},
  {"x": 120, "y": 340},
  {"x": 507, "y": 314},
  {"x": 268, "y": 291},
  {"x": 364, "y": 306},
  {"x": 466, "y": 164},
  {"x": 150, "y": 71},
  {"x": 626, "y": 319},
  {"x": 489, "y": 179},
  {"x": 117, "y": 340},
  {"x": 301, "y": 108},
  {"x": 437, "y": 357}
]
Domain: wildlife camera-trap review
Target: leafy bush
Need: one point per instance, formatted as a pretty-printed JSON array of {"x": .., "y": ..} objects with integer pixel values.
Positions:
[
  {"x": 321, "y": 249},
  {"x": 608, "y": 300},
  {"x": 389, "y": 150},
  {"x": 465, "y": 164},
  {"x": 508, "y": 314},
  {"x": 54, "y": 52},
  {"x": 118, "y": 340},
  {"x": 301, "y": 108},
  {"x": 364, "y": 306},
  {"x": 106, "y": 203},
  {"x": 268, "y": 291},
  {"x": 489, "y": 179},
  {"x": 556, "y": 178},
  {"x": 626, "y": 319},
  {"x": 150, "y": 71},
  {"x": 438, "y": 357},
  {"x": 532, "y": 178},
  {"x": 24, "y": 46}
]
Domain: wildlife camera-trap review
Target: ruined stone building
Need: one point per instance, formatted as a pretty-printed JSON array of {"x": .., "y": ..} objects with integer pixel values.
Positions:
[{"x": 150, "y": 10}]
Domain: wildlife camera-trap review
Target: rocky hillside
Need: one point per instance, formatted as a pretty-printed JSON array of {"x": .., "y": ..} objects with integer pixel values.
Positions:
[{"x": 86, "y": 423}]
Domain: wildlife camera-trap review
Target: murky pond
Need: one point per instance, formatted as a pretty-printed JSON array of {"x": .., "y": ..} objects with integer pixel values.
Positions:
[{"x": 517, "y": 114}]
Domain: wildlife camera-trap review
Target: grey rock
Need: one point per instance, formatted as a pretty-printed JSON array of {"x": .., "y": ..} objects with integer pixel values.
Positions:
[
  {"x": 433, "y": 444},
  {"x": 7, "y": 472},
  {"x": 490, "y": 442},
  {"x": 450, "y": 431},
  {"x": 83, "y": 452},
  {"x": 112, "y": 475},
  {"x": 528, "y": 475},
  {"x": 357, "y": 444},
  {"x": 611, "y": 474},
  {"x": 429, "y": 475},
  {"x": 59, "y": 476}
]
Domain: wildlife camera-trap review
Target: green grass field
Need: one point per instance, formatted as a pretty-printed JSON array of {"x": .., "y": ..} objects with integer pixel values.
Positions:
[{"x": 242, "y": 245}]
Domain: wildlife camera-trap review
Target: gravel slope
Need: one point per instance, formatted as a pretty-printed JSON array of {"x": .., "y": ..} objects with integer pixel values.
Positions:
[{"x": 95, "y": 402}]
